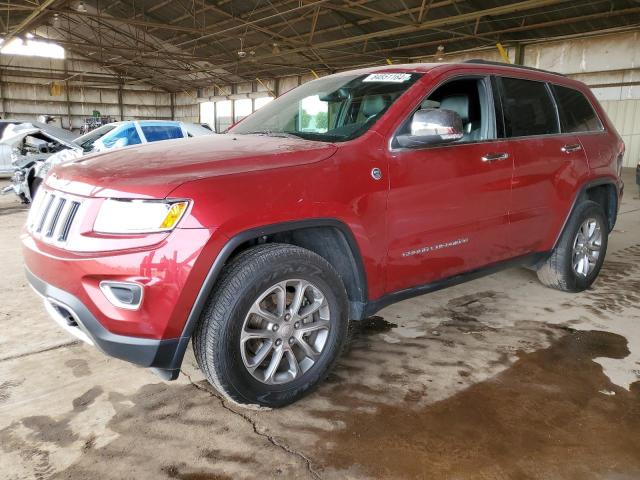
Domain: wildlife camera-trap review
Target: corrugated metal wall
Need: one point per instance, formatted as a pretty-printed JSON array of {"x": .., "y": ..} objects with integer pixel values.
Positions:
[
  {"x": 625, "y": 115},
  {"x": 26, "y": 93}
]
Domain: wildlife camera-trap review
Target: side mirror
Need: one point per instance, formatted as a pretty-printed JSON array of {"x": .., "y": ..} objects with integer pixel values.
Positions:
[{"x": 431, "y": 126}]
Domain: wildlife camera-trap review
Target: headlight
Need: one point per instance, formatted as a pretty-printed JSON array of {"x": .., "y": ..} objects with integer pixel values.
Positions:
[{"x": 139, "y": 216}]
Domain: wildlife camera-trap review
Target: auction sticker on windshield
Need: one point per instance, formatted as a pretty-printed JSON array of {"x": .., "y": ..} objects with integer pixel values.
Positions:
[{"x": 388, "y": 77}]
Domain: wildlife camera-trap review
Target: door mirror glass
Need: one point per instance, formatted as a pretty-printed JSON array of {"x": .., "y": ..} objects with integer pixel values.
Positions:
[{"x": 432, "y": 126}]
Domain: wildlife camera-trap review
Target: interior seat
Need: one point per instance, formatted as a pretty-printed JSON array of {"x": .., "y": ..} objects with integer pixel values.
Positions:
[{"x": 373, "y": 105}]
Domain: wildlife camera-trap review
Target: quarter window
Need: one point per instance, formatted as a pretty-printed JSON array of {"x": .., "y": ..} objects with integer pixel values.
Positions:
[
  {"x": 576, "y": 113},
  {"x": 528, "y": 108}
]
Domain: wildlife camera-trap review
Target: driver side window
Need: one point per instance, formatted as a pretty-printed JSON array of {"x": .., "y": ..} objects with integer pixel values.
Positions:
[
  {"x": 125, "y": 137},
  {"x": 470, "y": 99}
]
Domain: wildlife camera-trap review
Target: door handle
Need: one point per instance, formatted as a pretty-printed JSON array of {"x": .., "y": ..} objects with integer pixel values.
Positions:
[
  {"x": 573, "y": 147},
  {"x": 492, "y": 157}
]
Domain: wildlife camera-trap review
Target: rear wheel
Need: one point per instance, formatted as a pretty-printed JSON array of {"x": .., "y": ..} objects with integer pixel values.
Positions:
[
  {"x": 274, "y": 326},
  {"x": 576, "y": 260}
]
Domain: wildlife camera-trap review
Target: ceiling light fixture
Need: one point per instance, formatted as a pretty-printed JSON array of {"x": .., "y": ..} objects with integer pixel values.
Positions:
[{"x": 82, "y": 8}]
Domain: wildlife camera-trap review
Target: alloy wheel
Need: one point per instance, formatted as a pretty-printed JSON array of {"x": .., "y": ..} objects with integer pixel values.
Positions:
[
  {"x": 586, "y": 247},
  {"x": 285, "y": 332}
]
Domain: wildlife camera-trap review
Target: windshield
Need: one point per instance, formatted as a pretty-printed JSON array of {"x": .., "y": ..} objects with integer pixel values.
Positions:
[
  {"x": 87, "y": 140},
  {"x": 335, "y": 108}
]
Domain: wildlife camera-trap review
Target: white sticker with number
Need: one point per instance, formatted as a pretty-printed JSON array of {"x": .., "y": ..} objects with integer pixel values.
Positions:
[{"x": 388, "y": 77}]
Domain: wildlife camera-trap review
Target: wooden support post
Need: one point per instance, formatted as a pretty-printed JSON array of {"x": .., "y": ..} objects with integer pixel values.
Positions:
[
  {"x": 66, "y": 92},
  {"x": 2, "y": 92},
  {"x": 120, "y": 106},
  {"x": 519, "y": 58}
]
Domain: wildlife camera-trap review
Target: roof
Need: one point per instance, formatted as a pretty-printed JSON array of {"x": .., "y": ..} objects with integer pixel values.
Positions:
[{"x": 177, "y": 45}]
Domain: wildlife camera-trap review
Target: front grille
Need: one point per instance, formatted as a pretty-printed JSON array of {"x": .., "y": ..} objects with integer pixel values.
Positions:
[{"x": 52, "y": 215}]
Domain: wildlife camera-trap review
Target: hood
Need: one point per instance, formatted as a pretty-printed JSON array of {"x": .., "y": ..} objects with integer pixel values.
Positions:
[
  {"x": 155, "y": 169},
  {"x": 14, "y": 134}
]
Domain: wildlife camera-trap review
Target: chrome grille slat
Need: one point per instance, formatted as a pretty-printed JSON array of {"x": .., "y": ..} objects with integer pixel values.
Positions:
[
  {"x": 64, "y": 214},
  {"x": 55, "y": 217},
  {"x": 66, "y": 226},
  {"x": 35, "y": 208},
  {"x": 52, "y": 216},
  {"x": 45, "y": 212}
]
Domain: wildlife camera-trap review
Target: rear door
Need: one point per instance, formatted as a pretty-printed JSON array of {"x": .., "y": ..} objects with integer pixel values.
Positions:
[
  {"x": 448, "y": 204},
  {"x": 578, "y": 117},
  {"x": 546, "y": 163}
]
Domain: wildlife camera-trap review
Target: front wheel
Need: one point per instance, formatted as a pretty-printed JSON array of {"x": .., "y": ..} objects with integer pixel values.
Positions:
[
  {"x": 274, "y": 326},
  {"x": 576, "y": 260}
]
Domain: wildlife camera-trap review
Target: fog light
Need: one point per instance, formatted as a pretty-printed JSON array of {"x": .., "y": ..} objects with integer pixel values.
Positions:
[{"x": 125, "y": 295}]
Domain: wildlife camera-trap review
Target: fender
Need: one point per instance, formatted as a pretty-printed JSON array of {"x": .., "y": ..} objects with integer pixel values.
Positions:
[
  {"x": 581, "y": 193},
  {"x": 357, "y": 308}
]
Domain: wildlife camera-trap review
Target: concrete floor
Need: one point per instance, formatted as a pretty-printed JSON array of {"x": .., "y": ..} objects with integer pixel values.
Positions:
[{"x": 499, "y": 378}]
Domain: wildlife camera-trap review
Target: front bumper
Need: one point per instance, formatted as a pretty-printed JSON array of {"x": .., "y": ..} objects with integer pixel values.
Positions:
[{"x": 164, "y": 356}]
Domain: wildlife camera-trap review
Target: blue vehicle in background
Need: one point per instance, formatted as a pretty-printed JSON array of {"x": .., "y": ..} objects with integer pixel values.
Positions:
[{"x": 136, "y": 132}]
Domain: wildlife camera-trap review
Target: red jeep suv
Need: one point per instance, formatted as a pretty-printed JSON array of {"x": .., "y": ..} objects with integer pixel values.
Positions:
[{"x": 345, "y": 195}]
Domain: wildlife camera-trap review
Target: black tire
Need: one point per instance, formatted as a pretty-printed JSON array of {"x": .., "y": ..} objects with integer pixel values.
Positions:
[
  {"x": 216, "y": 340},
  {"x": 557, "y": 271}
]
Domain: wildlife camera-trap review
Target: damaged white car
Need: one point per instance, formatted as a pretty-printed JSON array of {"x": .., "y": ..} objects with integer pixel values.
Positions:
[
  {"x": 35, "y": 147},
  {"x": 28, "y": 146}
]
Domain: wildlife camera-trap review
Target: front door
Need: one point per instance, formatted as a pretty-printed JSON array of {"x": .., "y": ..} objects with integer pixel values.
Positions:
[{"x": 448, "y": 204}]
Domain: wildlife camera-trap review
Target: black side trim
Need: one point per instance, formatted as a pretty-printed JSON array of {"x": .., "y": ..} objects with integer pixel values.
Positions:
[
  {"x": 377, "y": 305},
  {"x": 581, "y": 195},
  {"x": 141, "y": 351},
  {"x": 357, "y": 308}
]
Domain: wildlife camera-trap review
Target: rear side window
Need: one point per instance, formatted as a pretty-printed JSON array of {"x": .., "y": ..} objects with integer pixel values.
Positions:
[
  {"x": 154, "y": 133},
  {"x": 528, "y": 108},
  {"x": 576, "y": 113}
]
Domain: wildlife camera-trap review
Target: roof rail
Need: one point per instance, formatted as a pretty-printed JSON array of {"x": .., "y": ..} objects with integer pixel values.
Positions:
[{"x": 501, "y": 64}]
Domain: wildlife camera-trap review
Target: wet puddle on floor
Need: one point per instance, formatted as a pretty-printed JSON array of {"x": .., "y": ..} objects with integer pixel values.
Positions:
[
  {"x": 552, "y": 414},
  {"x": 373, "y": 325}
]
